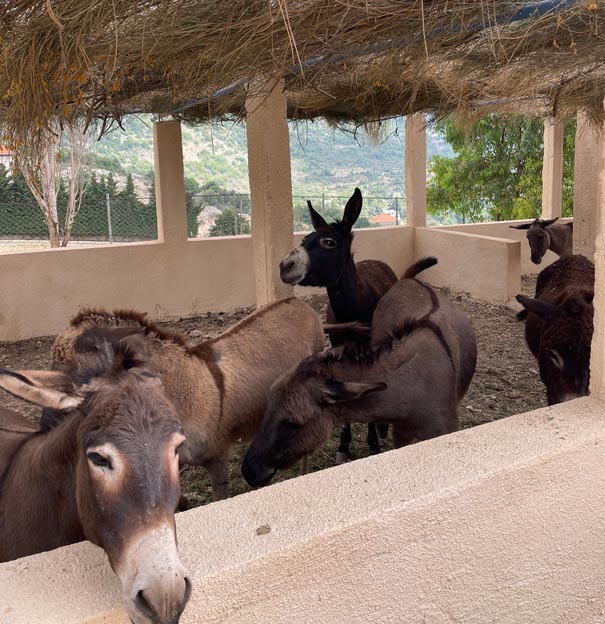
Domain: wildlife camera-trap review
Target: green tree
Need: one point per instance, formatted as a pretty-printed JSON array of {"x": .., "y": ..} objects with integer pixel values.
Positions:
[
  {"x": 496, "y": 173},
  {"x": 225, "y": 224}
]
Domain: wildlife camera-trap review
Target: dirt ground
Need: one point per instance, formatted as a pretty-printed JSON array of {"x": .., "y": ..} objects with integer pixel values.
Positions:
[{"x": 506, "y": 381}]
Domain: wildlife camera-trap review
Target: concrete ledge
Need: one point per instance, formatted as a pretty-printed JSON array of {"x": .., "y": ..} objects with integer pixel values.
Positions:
[
  {"x": 501, "y": 522},
  {"x": 501, "y": 229},
  {"x": 486, "y": 267}
]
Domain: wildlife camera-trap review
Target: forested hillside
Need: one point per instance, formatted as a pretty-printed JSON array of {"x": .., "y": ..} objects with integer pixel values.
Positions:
[{"x": 323, "y": 159}]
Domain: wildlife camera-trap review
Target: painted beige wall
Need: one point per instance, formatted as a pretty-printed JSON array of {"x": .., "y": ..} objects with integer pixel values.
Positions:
[
  {"x": 498, "y": 523},
  {"x": 168, "y": 280},
  {"x": 486, "y": 267},
  {"x": 270, "y": 186},
  {"x": 501, "y": 229},
  {"x": 165, "y": 280}
]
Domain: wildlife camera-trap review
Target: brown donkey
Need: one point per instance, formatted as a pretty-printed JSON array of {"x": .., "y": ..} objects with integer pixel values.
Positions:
[
  {"x": 107, "y": 473},
  {"x": 412, "y": 375},
  {"x": 543, "y": 235},
  {"x": 219, "y": 387}
]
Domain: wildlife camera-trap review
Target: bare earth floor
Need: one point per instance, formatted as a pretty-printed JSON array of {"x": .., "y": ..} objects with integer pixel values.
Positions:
[{"x": 506, "y": 381}]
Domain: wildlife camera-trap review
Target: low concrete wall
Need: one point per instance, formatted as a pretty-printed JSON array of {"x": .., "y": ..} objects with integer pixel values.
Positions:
[
  {"x": 499, "y": 523},
  {"x": 484, "y": 266},
  {"x": 501, "y": 229},
  {"x": 43, "y": 289}
]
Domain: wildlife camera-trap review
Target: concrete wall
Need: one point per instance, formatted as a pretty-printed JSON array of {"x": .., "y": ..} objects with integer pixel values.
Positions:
[
  {"x": 195, "y": 276},
  {"x": 43, "y": 289},
  {"x": 501, "y": 229},
  {"x": 484, "y": 266},
  {"x": 164, "y": 279},
  {"x": 499, "y": 523}
]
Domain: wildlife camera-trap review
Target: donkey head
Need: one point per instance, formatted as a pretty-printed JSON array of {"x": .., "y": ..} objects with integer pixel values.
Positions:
[
  {"x": 301, "y": 410},
  {"x": 127, "y": 475},
  {"x": 537, "y": 236},
  {"x": 323, "y": 255},
  {"x": 565, "y": 342}
]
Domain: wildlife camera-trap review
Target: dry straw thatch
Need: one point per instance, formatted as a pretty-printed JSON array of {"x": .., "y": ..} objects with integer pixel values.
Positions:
[{"x": 346, "y": 60}]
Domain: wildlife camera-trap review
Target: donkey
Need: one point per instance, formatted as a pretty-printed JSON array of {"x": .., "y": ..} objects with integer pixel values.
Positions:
[
  {"x": 107, "y": 473},
  {"x": 559, "y": 326},
  {"x": 219, "y": 387},
  {"x": 324, "y": 258},
  {"x": 412, "y": 375},
  {"x": 545, "y": 234}
]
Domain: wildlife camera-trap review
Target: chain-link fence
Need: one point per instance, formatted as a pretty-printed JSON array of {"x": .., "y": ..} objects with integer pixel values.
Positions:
[{"x": 120, "y": 219}]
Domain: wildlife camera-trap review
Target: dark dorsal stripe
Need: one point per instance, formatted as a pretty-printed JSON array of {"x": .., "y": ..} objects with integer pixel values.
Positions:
[
  {"x": 205, "y": 352},
  {"x": 430, "y": 324}
]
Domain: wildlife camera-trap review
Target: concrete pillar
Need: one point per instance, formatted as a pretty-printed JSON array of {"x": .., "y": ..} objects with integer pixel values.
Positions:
[
  {"x": 588, "y": 144},
  {"x": 415, "y": 170},
  {"x": 552, "y": 169},
  {"x": 597, "y": 355},
  {"x": 169, "y": 181},
  {"x": 270, "y": 187}
]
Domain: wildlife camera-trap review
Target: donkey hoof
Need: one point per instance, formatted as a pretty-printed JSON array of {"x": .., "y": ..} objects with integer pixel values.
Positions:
[{"x": 342, "y": 458}]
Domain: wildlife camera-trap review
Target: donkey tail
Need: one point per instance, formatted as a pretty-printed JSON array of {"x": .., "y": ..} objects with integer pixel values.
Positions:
[{"x": 419, "y": 266}]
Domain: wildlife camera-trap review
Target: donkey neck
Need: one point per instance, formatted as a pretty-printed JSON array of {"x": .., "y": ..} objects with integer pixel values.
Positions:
[
  {"x": 560, "y": 239},
  {"x": 346, "y": 296},
  {"x": 39, "y": 494}
]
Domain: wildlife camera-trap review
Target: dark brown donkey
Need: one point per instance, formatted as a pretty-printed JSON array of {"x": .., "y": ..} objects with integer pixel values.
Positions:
[
  {"x": 324, "y": 258},
  {"x": 413, "y": 375},
  {"x": 107, "y": 473},
  {"x": 543, "y": 235},
  {"x": 559, "y": 326}
]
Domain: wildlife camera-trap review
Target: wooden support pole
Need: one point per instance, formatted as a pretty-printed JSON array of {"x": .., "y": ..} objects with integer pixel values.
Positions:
[
  {"x": 169, "y": 181},
  {"x": 415, "y": 170},
  {"x": 270, "y": 186},
  {"x": 597, "y": 356},
  {"x": 585, "y": 186},
  {"x": 552, "y": 169}
]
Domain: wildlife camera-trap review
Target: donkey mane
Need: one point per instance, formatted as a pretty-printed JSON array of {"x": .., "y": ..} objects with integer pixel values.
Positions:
[
  {"x": 121, "y": 318},
  {"x": 367, "y": 353}
]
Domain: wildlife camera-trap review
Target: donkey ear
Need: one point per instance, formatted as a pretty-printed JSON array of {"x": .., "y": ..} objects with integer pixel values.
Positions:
[
  {"x": 51, "y": 389},
  {"x": 336, "y": 391},
  {"x": 352, "y": 210},
  {"x": 316, "y": 219},
  {"x": 546, "y": 311},
  {"x": 547, "y": 222},
  {"x": 523, "y": 226}
]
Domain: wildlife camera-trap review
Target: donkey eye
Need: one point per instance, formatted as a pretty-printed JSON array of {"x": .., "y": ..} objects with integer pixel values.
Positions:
[
  {"x": 98, "y": 460},
  {"x": 328, "y": 243}
]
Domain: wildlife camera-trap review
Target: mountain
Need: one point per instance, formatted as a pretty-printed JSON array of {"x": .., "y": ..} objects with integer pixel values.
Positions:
[{"x": 324, "y": 159}]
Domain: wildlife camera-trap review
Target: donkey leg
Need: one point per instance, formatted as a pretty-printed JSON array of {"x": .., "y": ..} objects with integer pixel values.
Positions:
[
  {"x": 373, "y": 439},
  {"x": 218, "y": 469},
  {"x": 343, "y": 453},
  {"x": 383, "y": 432},
  {"x": 304, "y": 465}
]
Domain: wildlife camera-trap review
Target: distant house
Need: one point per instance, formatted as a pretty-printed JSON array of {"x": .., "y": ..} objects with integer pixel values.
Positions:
[
  {"x": 6, "y": 157},
  {"x": 383, "y": 219}
]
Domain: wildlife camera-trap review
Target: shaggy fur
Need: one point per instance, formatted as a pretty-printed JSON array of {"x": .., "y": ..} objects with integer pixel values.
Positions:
[
  {"x": 45, "y": 501},
  {"x": 545, "y": 235},
  {"x": 412, "y": 375},
  {"x": 354, "y": 289},
  {"x": 559, "y": 326},
  {"x": 220, "y": 386}
]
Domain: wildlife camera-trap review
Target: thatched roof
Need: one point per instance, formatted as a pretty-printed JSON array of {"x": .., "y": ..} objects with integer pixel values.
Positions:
[{"x": 358, "y": 60}]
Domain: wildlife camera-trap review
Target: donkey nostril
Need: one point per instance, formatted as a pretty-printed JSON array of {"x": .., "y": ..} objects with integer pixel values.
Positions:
[
  {"x": 143, "y": 606},
  {"x": 288, "y": 265}
]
